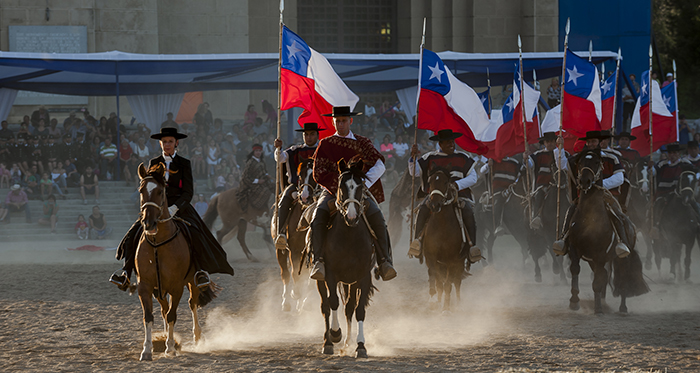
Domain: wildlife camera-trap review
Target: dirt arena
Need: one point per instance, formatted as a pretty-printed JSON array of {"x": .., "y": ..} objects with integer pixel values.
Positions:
[{"x": 59, "y": 313}]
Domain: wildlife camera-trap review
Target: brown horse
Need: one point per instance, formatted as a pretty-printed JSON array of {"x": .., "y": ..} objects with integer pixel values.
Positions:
[
  {"x": 225, "y": 205},
  {"x": 443, "y": 239},
  {"x": 163, "y": 263},
  {"x": 290, "y": 259}
]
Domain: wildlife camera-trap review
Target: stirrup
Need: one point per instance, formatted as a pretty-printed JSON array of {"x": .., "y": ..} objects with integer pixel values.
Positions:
[
  {"x": 559, "y": 247},
  {"x": 414, "y": 250},
  {"x": 387, "y": 271},
  {"x": 536, "y": 223},
  {"x": 475, "y": 254},
  {"x": 201, "y": 279},
  {"x": 318, "y": 272},
  {"x": 621, "y": 250},
  {"x": 281, "y": 242},
  {"x": 121, "y": 279}
]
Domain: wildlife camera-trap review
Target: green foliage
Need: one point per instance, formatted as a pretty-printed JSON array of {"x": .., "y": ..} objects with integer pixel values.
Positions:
[{"x": 676, "y": 27}]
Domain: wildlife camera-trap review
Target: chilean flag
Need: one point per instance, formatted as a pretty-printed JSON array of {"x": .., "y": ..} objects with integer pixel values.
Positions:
[
  {"x": 308, "y": 81},
  {"x": 485, "y": 98},
  {"x": 607, "y": 90},
  {"x": 551, "y": 124},
  {"x": 664, "y": 120},
  {"x": 504, "y": 136},
  {"x": 582, "y": 108},
  {"x": 447, "y": 103}
]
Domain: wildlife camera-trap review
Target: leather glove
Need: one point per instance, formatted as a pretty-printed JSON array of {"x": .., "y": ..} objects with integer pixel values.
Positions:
[{"x": 172, "y": 210}]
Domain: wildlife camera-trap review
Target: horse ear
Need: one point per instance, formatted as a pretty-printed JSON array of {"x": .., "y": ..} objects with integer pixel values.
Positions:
[
  {"x": 142, "y": 171},
  {"x": 160, "y": 168},
  {"x": 342, "y": 165}
]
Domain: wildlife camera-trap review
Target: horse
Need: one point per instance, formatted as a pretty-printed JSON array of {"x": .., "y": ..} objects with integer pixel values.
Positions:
[
  {"x": 348, "y": 254},
  {"x": 678, "y": 227},
  {"x": 225, "y": 205},
  {"x": 638, "y": 206},
  {"x": 163, "y": 264},
  {"x": 550, "y": 225},
  {"x": 399, "y": 203},
  {"x": 441, "y": 248},
  {"x": 290, "y": 259},
  {"x": 591, "y": 237}
]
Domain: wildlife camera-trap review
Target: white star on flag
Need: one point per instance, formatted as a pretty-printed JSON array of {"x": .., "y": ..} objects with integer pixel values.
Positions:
[
  {"x": 482, "y": 99},
  {"x": 435, "y": 72},
  {"x": 574, "y": 75},
  {"x": 644, "y": 88},
  {"x": 294, "y": 49},
  {"x": 606, "y": 87},
  {"x": 510, "y": 103},
  {"x": 667, "y": 101}
]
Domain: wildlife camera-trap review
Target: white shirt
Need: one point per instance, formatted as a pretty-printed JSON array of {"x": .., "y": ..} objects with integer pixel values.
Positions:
[
  {"x": 463, "y": 183},
  {"x": 375, "y": 172}
]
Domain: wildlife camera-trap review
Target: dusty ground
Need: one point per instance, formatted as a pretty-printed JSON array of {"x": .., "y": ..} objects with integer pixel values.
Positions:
[{"x": 59, "y": 313}]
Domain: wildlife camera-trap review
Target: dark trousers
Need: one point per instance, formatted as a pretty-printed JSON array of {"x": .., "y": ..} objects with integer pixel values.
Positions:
[
  {"x": 24, "y": 207},
  {"x": 284, "y": 207}
]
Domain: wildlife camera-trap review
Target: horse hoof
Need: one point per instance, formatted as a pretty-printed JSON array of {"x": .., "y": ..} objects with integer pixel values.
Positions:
[
  {"x": 328, "y": 350},
  {"x": 574, "y": 306},
  {"x": 336, "y": 335},
  {"x": 361, "y": 351},
  {"x": 171, "y": 353},
  {"x": 146, "y": 357},
  {"x": 286, "y": 307},
  {"x": 538, "y": 278}
]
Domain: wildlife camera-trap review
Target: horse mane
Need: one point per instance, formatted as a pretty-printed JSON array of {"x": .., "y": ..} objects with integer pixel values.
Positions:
[
  {"x": 355, "y": 166},
  {"x": 302, "y": 163},
  {"x": 157, "y": 172}
]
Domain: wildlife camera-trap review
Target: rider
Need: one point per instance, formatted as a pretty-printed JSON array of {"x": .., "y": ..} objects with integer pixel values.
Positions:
[
  {"x": 621, "y": 192},
  {"x": 207, "y": 254},
  {"x": 544, "y": 162},
  {"x": 461, "y": 169},
  {"x": 344, "y": 145},
  {"x": 255, "y": 182},
  {"x": 290, "y": 159},
  {"x": 668, "y": 172},
  {"x": 505, "y": 173},
  {"x": 693, "y": 153},
  {"x": 612, "y": 176}
]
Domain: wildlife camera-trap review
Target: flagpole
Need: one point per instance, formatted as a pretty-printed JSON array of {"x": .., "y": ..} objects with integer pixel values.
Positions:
[
  {"x": 590, "y": 50},
  {"x": 415, "y": 132},
  {"x": 278, "y": 169},
  {"x": 524, "y": 117},
  {"x": 675, "y": 95},
  {"x": 651, "y": 139},
  {"x": 617, "y": 79},
  {"x": 561, "y": 120},
  {"x": 493, "y": 208}
]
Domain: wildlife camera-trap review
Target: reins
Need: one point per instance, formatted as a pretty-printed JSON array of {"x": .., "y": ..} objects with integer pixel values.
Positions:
[{"x": 596, "y": 176}]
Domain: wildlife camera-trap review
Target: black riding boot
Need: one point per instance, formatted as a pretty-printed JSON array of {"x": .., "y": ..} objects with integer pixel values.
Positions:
[
  {"x": 382, "y": 249},
  {"x": 622, "y": 248},
  {"x": 537, "y": 201},
  {"x": 127, "y": 251},
  {"x": 284, "y": 207},
  {"x": 499, "y": 203},
  {"x": 319, "y": 229},
  {"x": 561, "y": 246},
  {"x": 415, "y": 248},
  {"x": 469, "y": 250}
]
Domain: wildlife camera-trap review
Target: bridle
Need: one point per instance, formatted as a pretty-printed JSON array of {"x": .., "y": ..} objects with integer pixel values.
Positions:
[
  {"x": 300, "y": 189},
  {"x": 449, "y": 195},
  {"x": 689, "y": 188},
  {"x": 153, "y": 204},
  {"x": 596, "y": 175},
  {"x": 342, "y": 206}
]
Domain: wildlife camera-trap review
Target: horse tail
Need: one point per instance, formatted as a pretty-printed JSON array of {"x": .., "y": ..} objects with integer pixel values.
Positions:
[
  {"x": 208, "y": 295},
  {"x": 628, "y": 278},
  {"x": 212, "y": 212}
]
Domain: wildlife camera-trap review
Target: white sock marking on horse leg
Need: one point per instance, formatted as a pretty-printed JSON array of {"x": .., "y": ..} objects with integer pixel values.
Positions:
[
  {"x": 360, "y": 332},
  {"x": 348, "y": 332},
  {"x": 170, "y": 342},
  {"x": 335, "y": 325},
  {"x": 147, "y": 342}
]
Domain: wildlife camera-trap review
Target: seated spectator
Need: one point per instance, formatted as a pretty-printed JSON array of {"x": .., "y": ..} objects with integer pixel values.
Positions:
[
  {"x": 218, "y": 128},
  {"x": 249, "y": 116},
  {"x": 201, "y": 119},
  {"x": 201, "y": 205},
  {"x": 386, "y": 115},
  {"x": 48, "y": 186},
  {"x": 15, "y": 174},
  {"x": 198, "y": 164},
  {"x": 58, "y": 176},
  {"x": 50, "y": 213},
  {"x": 370, "y": 115},
  {"x": 387, "y": 148},
  {"x": 402, "y": 153},
  {"x": 271, "y": 113},
  {"x": 131, "y": 168},
  {"x": 41, "y": 114},
  {"x": 41, "y": 130},
  {"x": 82, "y": 229},
  {"x": 71, "y": 172},
  {"x": 4, "y": 176},
  {"x": 54, "y": 129},
  {"x": 5, "y": 132},
  {"x": 213, "y": 156},
  {"x": 169, "y": 122},
  {"x": 31, "y": 183},
  {"x": 16, "y": 200},
  {"x": 108, "y": 156},
  {"x": 98, "y": 225},
  {"x": 260, "y": 128},
  {"x": 89, "y": 184},
  {"x": 142, "y": 151}
]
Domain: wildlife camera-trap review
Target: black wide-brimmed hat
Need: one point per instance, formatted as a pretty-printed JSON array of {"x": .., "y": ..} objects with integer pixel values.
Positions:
[
  {"x": 342, "y": 111},
  {"x": 168, "y": 132},
  {"x": 593, "y": 135},
  {"x": 692, "y": 144},
  {"x": 548, "y": 136},
  {"x": 444, "y": 135},
  {"x": 310, "y": 127},
  {"x": 606, "y": 134},
  {"x": 625, "y": 134},
  {"x": 674, "y": 147}
]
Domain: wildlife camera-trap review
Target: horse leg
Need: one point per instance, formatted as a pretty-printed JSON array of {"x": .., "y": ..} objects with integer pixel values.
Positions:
[
  {"x": 623, "y": 304},
  {"x": 283, "y": 261},
  {"x": 350, "y": 305},
  {"x": 431, "y": 281},
  {"x": 538, "y": 271},
  {"x": 242, "y": 227},
  {"x": 688, "y": 251},
  {"x": 600, "y": 281},
  {"x": 325, "y": 311},
  {"x": 335, "y": 333},
  {"x": 164, "y": 307},
  {"x": 364, "y": 286},
  {"x": 172, "y": 318},
  {"x": 575, "y": 268},
  {"x": 457, "y": 280},
  {"x": 194, "y": 303},
  {"x": 650, "y": 251},
  {"x": 146, "y": 298}
]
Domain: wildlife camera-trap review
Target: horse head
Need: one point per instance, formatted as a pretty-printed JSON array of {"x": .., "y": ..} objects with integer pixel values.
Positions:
[
  {"x": 153, "y": 198},
  {"x": 306, "y": 185},
  {"x": 439, "y": 190},
  {"x": 351, "y": 190},
  {"x": 686, "y": 186},
  {"x": 590, "y": 167}
]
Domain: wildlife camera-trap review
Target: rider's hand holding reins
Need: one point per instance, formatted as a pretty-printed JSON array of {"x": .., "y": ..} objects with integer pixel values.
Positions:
[
  {"x": 414, "y": 151},
  {"x": 278, "y": 143}
]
